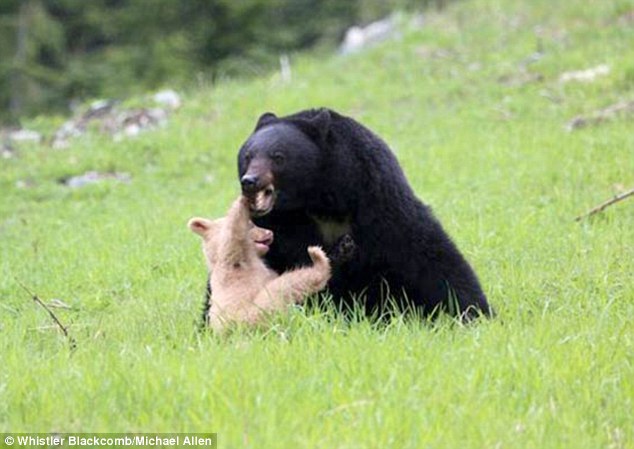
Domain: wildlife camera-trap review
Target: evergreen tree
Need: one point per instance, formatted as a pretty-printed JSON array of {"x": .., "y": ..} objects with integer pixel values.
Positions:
[{"x": 54, "y": 51}]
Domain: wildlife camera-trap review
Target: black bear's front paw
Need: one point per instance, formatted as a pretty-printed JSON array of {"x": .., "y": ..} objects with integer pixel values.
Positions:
[{"x": 343, "y": 250}]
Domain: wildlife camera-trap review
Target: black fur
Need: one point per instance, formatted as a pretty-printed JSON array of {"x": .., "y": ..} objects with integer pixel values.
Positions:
[
  {"x": 343, "y": 251},
  {"x": 333, "y": 168}
]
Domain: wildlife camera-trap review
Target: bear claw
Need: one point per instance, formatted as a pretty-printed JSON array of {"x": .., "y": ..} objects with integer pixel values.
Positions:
[{"x": 344, "y": 249}]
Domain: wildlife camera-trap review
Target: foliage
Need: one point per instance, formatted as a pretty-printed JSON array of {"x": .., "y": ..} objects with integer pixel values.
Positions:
[{"x": 54, "y": 51}]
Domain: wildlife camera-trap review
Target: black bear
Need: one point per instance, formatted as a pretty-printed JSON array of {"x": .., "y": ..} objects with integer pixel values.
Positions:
[{"x": 315, "y": 177}]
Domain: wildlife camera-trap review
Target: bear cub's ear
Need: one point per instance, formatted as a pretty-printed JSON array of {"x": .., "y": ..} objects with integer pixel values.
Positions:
[
  {"x": 200, "y": 226},
  {"x": 265, "y": 119}
]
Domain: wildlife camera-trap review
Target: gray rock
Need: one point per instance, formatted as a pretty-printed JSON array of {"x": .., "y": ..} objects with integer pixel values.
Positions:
[
  {"x": 357, "y": 38},
  {"x": 24, "y": 135},
  {"x": 93, "y": 177},
  {"x": 168, "y": 98}
]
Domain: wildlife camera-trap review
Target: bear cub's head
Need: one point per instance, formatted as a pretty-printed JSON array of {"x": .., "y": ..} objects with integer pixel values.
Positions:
[
  {"x": 281, "y": 163},
  {"x": 214, "y": 232}
]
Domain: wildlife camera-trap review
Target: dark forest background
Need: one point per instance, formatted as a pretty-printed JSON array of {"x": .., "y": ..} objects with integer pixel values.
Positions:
[{"x": 53, "y": 52}]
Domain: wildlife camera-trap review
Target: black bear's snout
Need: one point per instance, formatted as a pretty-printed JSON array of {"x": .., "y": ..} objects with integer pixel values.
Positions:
[{"x": 249, "y": 183}]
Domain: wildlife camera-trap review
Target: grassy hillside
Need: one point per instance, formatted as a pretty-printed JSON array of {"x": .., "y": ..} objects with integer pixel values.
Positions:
[{"x": 473, "y": 106}]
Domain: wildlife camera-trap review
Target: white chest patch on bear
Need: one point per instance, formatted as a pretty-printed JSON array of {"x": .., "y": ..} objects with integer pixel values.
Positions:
[{"x": 331, "y": 230}]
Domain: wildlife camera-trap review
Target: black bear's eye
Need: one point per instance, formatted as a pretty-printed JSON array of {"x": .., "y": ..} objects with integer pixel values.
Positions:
[
  {"x": 277, "y": 157},
  {"x": 247, "y": 157}
]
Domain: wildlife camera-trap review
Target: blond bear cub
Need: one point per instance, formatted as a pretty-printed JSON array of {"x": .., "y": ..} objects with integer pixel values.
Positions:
[{"x": 244, "y": 289}]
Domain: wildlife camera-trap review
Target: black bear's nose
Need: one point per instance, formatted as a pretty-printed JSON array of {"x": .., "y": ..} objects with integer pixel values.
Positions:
[{"x": 249, "y": 182}]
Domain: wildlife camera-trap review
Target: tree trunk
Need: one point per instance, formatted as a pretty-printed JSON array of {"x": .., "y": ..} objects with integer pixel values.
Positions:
[{"x": 19, "y": 60}]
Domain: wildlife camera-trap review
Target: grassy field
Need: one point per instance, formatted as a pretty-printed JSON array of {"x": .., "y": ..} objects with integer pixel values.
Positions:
[{"x": 477, "y": 119}]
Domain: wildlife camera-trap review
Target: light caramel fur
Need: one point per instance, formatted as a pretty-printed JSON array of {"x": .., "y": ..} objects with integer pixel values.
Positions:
[{"x": 244, "y": 289}]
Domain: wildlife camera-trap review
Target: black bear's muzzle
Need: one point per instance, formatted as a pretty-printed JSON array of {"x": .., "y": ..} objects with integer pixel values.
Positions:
[{"x": 249, "y": 184}]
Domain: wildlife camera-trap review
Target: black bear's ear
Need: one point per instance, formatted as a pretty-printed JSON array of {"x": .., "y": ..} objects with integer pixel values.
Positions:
[
  {"x": 321, "y": 121},
  {"x": 265, "y": 119},
  {"x": 318, "y": 126}
]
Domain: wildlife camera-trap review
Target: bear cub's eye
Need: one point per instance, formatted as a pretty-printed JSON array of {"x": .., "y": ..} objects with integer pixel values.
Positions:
[{"x": 277, "y": 157}]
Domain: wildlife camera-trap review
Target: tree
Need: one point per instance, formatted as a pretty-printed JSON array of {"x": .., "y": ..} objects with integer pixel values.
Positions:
[{"x": 54, "y": 51}]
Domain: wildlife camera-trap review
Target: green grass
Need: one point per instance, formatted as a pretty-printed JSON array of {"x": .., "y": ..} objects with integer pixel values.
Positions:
[{"x": 555, "y": 369}]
